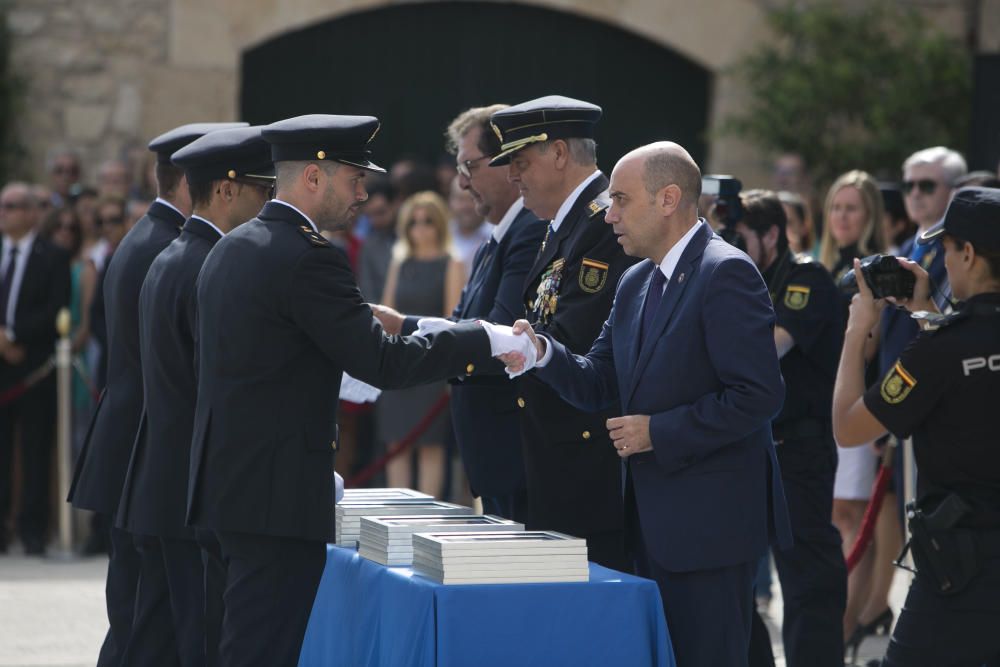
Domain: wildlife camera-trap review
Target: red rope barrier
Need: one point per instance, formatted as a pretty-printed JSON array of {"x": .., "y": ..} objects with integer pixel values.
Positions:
[
  {"x": 864, "y": 538},
  {"x": 375, "y": 467},
  {"x": 21, "y": 388}
]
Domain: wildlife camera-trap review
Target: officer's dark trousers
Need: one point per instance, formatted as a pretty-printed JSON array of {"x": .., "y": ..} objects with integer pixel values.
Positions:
[
  {"x": 215, "y": 588},
  {"x": 956, "y": 631},
  {"x": 120, "y": 589},
  {"x": 708, "y": 611},
  {"x": 812, "y": 573},
  {"x": 271, "y": 583},
  {"x": 34, "y": 413},
  {"x": 169, "y": 623}
]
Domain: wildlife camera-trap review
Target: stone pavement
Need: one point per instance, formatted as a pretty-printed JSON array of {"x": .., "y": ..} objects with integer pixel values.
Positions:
[{"x": 52, "y": 613}]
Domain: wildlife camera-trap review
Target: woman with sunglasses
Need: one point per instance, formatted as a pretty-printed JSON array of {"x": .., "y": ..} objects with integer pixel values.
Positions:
[
  {"x": 423, "y": 278},
  {"x": 942, "y": 392}
]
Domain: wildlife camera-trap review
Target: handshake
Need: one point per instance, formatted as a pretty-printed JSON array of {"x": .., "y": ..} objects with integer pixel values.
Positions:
[{"x": 517, "y": 347}]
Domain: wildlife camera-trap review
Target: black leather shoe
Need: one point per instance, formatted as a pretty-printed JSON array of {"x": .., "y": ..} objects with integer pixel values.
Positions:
[{"x": 34, "y": 546}]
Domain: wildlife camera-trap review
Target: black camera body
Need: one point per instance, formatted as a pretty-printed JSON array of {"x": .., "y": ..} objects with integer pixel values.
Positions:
[
  {"x": 884, "y": 276},
  {"x": 727, "y": 208}
]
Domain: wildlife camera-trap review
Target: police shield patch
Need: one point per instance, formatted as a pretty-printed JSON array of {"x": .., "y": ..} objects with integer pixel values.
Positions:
[
  {"x": 897, "y": 385},
  {"x": 796, "y": 297},
  {"x": 593, "y": 275}
]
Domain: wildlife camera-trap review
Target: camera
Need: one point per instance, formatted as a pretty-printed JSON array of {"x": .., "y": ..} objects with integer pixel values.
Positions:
[
  {"x": 884, "y": 276},
  {"x": 726, "y": 209}
]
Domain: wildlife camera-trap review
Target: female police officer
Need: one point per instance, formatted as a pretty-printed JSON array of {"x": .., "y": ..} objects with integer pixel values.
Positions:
[{"x": 943, "y": 391}]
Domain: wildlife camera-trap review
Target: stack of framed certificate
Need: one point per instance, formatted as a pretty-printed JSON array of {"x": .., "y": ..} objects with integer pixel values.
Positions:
[
  {"x": 382, "y": 494},
  {"x": 500, "y": 557},
  {"x": 389, "y": 540},
  {"x": 348, "y": 514}
]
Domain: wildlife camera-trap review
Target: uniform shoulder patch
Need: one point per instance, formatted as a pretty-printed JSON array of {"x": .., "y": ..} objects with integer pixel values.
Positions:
[
  {"x": 593, "y": 275},
  {"x": 313, "y": 237},
  {"x": 897, "y": 385},
  {"x": 797, "y": 296},
  {"x": 601, "y": 203}
]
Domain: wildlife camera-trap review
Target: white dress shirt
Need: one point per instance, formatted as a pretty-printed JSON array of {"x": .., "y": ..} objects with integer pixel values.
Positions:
[
  {"x": 667, "y": 266},
  {"x": 308, "y": 219},
  {"x": 161, "y": 200},
  {"x": 209, "y": 223},
  {"x": 568, "y": 204},
  {"x": 24, "y": 247},
  {"x": 500, "y": 229}
]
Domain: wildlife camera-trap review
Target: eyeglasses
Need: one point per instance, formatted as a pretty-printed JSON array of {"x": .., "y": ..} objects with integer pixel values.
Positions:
[
  {"x": 465, "y": 166},
  {"x": 926, "y": 186}
]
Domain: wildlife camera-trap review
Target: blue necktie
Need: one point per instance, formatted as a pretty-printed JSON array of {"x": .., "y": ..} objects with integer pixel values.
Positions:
[{"x": 653, "y": 299}]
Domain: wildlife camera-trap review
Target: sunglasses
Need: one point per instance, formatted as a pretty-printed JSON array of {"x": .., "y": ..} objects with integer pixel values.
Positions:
[
  {"x": 61, "y": 170},
  {"x": 14, "y": 205},
  {"x": 420, "y": 221},
  {"x": 925, "y": 185},
  {"x": 465, "y": 166}
]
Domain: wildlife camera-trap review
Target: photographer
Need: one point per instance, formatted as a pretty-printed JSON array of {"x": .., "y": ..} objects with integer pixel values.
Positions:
[
  {"x": 941, "y": 391},
  {"x": 807, "y": 333}
]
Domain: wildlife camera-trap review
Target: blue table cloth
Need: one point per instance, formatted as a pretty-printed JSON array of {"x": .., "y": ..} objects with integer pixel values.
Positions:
[{"x": 368, "y": 614}]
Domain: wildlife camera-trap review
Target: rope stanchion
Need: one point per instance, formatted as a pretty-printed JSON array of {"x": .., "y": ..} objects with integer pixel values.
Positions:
[
  {"x": 867, "y": 530},
  {"x": 81, "y": 372},
  {"x": 377, "y": 466}
]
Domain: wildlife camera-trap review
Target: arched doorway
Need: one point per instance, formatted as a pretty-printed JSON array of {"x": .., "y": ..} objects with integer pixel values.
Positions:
[{"x": 416, "y": 66}]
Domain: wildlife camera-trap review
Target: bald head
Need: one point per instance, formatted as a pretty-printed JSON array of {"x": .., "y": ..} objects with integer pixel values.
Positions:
[{"x": 666, "y": 163}]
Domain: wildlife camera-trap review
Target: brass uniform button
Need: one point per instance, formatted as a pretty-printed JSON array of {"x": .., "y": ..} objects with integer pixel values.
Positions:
[
  {"x": 520, "y": 402},
  {"x": 586, "y": 435},
  {"x": 469, "y": 369},
  {"x": 232, "y": 173},
  {"x": 321, "y": 155}
]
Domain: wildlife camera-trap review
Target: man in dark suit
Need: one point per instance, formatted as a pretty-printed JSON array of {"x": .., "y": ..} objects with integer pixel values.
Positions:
[
  {"x": 100, "y": 469},
  {"x": 484, "y": 405},
  {"x": 34, "y": 286},
  {"x": 573, "y": 477},
  {"x": 229, "y": 175},
  {"x": 696, "y": 370},
  {"x": 280, "y": 320}
]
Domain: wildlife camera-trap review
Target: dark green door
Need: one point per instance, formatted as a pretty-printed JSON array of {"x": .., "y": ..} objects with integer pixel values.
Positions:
[{"x": 416, "y": 66}]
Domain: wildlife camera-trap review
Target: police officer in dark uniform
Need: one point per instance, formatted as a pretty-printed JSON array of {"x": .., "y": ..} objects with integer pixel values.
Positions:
[
  {"x": 572, "y": 470},
  {"x": 100, "y": 469},
  {"x": 280, "y": 319},
  {"x": 943, "y": 392},
  {"x": 808, "y": 334},
  {"x": 229, "y": 175}
]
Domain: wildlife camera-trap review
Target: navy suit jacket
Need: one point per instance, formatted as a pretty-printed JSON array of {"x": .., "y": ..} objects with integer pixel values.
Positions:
[
  {"x": 483, "y": 406},
  {"x": 709, "y": 493}
]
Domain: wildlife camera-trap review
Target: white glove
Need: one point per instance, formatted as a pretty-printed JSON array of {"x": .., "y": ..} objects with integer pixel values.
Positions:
[
  {"x": 338, "y": 482},
  {"x": 430, "y": 325},
  {"x": 503, "y": 340},
  {"x": 356, "y": 391}
]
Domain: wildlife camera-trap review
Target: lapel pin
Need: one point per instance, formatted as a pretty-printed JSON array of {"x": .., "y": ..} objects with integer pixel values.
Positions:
[{"x": 680, "y": 278}]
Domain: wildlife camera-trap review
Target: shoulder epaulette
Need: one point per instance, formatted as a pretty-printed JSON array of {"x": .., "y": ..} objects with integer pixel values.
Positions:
[
  {"x": 313, "y": 237},
  {"x": 600, "y": 203}
]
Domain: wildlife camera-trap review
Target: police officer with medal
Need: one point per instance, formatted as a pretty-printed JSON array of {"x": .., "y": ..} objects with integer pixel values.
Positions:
[
  {"x": 280, "y": 319},
  {"x": 943, "y": 392},
  {"x": 572, "y": 470},
  {"x": 808, "y": 334},
  {"x": 229, "y": 175}
]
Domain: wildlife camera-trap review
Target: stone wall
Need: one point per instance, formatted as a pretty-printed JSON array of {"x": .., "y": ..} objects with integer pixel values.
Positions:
[{"x": 104, "y": 76}]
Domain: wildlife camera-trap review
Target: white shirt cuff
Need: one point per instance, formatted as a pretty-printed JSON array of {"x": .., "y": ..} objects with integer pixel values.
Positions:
[
  {"x": 547, "y": 355},
  {"x": 10, "y": 334}
]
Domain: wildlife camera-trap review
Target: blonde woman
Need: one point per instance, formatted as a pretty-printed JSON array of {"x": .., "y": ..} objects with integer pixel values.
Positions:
[
  {"x": 853, "y": 222},
  {"x": 423, "y": 278}
]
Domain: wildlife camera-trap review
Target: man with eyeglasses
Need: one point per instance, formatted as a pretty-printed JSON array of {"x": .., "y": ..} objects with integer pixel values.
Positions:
[
  {"x": 484, "y": 406},
  {"x": 179, "y": 601},
  {"x": 101, "y": 467},
  {"x": 34, "y": 286}
]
